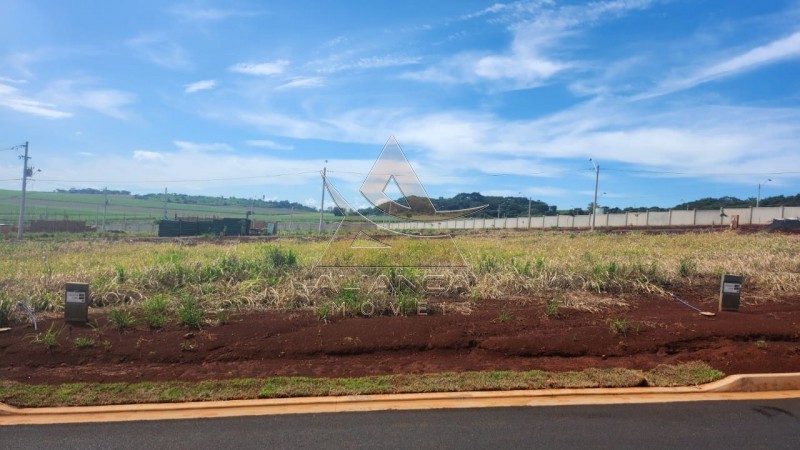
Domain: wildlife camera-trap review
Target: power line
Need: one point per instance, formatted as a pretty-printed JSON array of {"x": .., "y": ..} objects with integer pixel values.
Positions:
[
  {"x": 178, "y": 181},
  {"x": 666, "y": 172}
]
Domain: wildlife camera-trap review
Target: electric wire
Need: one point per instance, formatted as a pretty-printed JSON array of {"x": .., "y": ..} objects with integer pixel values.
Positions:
[{"x": 178, "y": 181}]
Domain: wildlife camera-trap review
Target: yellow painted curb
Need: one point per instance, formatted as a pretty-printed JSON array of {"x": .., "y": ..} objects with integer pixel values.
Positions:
[{"x": 735, "y": 387}]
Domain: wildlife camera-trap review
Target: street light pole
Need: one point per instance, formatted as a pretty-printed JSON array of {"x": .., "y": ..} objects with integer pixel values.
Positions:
[
  {"x": 758, "y": 196},
  {"x": 596, "y": 181},
  {"x": 529, "y": 212}
]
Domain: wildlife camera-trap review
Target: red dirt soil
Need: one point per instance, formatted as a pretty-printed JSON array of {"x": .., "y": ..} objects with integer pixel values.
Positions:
[{"x": 759, "y": 338}]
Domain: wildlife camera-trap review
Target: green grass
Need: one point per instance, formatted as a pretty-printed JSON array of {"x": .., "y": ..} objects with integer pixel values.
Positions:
[
  {"x": 49, "y": 338},
  {"x": 6, "y": 308},
  {"x": 89, "y": 207},
  {"x": 190, "y": 312},
  {"x": 84, "y": 394},
  {"x": 122, "y": 320},
  {"x": 84, "y": 342},
  {"x": 154, "y": 310}
]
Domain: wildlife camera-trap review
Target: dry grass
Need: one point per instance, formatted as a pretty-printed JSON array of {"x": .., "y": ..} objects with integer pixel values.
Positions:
[{"x": 246, "y": 276}]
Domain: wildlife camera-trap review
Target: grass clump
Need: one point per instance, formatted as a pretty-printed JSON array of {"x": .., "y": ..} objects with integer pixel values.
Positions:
[
  {"x": 84, "y": 342},
  {"x": 618, "y": 325},
  {"x": 505, "y": 315},
  {"x": 122, "y": 320},
  {"x": 6, "y": 308},
  {"x": 279, "y": 258},
  {"x": 687, "y": 266},
  {"x": 552, "y": 308},
  {"x": 190, "y": 313},
  {"x": 48, "y": 339},
  {"x": 155, "y": 311}
]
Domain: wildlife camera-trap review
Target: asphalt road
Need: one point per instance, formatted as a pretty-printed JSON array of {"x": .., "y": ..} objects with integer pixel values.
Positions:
[{"x": 768, "y": 424}]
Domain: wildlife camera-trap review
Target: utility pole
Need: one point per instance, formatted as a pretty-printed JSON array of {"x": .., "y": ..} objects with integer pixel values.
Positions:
[
  {"x": 596, "y": 181},
  {"x": 165, "y": 203},
  {"x": 105, "y": 206},
  {"x": 322, "y": 202},
  {"x": 25, "y": 176}
]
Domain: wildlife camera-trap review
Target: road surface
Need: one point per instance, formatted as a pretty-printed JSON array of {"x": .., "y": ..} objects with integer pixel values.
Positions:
[{"x": 769, "y": 424}]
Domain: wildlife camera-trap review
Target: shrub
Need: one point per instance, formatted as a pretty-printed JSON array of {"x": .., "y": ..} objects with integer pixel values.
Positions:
[
  {"x": 189, "y": 312},
  {"x": 122, "y": 320}
]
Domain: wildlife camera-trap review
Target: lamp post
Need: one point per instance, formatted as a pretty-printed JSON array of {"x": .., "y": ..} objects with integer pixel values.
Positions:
[
  {"x": 596, "y": 181},
  {"x": 758, "y": 196}
]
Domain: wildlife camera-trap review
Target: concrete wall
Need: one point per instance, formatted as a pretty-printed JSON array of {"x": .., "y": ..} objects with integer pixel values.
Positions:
[{"x": 675, "y": 218}]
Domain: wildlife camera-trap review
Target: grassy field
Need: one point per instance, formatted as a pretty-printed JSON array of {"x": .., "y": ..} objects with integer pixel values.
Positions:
[
  {"x": 280, "y": 274},
  {"x": 89, "y": 207}
]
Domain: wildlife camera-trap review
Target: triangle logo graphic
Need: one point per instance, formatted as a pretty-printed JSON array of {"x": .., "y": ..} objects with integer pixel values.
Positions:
[{"x": 363, "y": 240}]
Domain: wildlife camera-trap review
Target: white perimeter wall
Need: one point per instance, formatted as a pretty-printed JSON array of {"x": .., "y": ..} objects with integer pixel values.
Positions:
[{"x": 747, "y": 216}]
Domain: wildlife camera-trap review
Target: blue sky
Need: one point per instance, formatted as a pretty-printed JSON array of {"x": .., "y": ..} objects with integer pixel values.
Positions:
[{"x": 676, "y": 100}]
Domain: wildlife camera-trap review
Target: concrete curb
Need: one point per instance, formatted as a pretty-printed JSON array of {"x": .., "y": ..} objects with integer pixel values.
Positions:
[{"x": 735, "y": 387}]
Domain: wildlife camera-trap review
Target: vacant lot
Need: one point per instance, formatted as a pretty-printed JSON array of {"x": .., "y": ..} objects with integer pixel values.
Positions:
[{"x": 221, "y": 309}]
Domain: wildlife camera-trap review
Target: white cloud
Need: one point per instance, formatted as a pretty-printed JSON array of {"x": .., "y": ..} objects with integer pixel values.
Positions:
[
  {"x": 202, "y": 147},
  {"x": 373, "y": 62},
  {"x": 538, "y": 29},
  {"x": 144, "y": 155},
  {"x": 110, "y": 102},
  {"x": 196, "y": 14},
  {"x": 690, "y": 140},
  {"x": 262, "y": 143},
  {"x": 310, "y": 202},
  {"x": 200, "y": 86},
  {"x": 87, "y": 154},
  {"x": 13, "y": 98},
  {"x": 158, "y": 49},
  {"x": 34, "y": 107},
  {"x": 302, "y": 83},
  {"x": 12, "y": 80},
  {"x": 773, "y": 52},
  {"x": 264, "y": 68}
]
